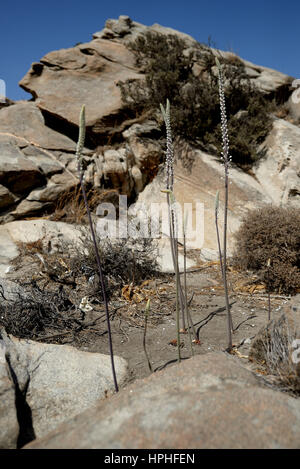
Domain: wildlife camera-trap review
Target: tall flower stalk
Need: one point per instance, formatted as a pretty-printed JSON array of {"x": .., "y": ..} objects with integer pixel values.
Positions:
[
  {"x": 79, "y": 149},
  {"x": 181, "y": 298},
  {"x": 225, "y": 156},
  {"x": 169, "y": 180}
]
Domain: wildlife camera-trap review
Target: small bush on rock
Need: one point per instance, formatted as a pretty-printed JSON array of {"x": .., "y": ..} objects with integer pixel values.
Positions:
[{"x": 271, "y": 233}]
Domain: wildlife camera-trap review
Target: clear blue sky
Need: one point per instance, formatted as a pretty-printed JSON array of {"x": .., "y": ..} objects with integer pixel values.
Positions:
[{"x": 265, "y": 32}]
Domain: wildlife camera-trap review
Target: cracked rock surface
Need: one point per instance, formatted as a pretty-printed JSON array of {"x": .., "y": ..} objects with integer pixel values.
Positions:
[{"x": 45, "y": 384}]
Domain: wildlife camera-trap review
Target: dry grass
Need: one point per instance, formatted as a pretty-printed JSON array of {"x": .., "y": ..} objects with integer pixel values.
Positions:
[
  {"x": 70, "y": 206},
  {"x": 273, "y": 349}
]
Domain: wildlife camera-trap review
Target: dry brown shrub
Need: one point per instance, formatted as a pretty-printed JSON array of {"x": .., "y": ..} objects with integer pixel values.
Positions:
[
  {"x": 271, "y": 233},
  {"x": 124, "y": 262},
  {"x": 37, "y": 310}
]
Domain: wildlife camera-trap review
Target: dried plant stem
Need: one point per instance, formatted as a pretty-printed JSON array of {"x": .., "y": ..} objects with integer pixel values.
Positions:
[
  {"x": 269, "y": 298},
  {"x": 174, "y": 252},
  {"x": 222, "y": 264},
  {"x": 102, "y": 284},
  {"x": 217, "y": 231},
  {"x": 189, "y": 319},
  {"x": 269, "y": 306},
  {"x": 101, "y": 276},
  {"x": 229, "y": 317},
  {"x": 174, "y": 248},
  {"x": 177, "y": 314},
  {"x": 144, "y": 337}
]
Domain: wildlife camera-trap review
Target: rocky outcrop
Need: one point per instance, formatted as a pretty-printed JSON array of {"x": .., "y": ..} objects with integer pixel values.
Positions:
[
  {"x": 293, "y": 103},
  {"x": 38, "y": 166},
  {"x": 99, "y": 65},
  {"x": 32, "y": 157},
  {"x": 126, "y": 30},
  {"x": 25, "y": 122},
  {"x": 208, "y": 401},
  {"x": 85, "y": 74},
  {"x": 48, "y": 384},
  {"x": 123, "y": 152}
]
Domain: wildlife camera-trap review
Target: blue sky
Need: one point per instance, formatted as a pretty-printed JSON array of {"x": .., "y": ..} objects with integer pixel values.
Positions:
[{"x": 265, "y": 32}]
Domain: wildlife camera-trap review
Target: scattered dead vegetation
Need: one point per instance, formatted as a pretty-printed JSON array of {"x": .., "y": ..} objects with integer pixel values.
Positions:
[
  {"x": 67, "y": 323},
  {"x": 58, "y": 282}
]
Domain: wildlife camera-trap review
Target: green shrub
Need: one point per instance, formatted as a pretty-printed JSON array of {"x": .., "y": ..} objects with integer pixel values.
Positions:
[
  {"x": 168, "y": 68},
  {"x": 271, "y": 233}
]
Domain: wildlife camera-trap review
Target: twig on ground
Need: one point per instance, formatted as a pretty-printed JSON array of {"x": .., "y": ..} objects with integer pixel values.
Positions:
[{"x": 144, "y": 336}]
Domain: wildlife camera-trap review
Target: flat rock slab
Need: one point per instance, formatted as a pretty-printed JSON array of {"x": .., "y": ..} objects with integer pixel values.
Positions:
[
  {"x": 208, "y": 401},
  {"x": 25, "y": 121},
  {"x": 57, "y": 234}
]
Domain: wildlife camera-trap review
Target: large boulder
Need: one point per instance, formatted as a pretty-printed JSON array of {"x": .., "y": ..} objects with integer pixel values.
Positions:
[
  {"x": 56, "y": 382},
  {"x": 125, "y": 30},
  {"x": 278, "y": 171},
  {"x": 85, "y": 74},
  {"x": 98, "y": 65},
  {"x": 208, "y": 401},
  {"x": 200, "y": 185},
  {"x": 268, "y": 80}
]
